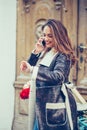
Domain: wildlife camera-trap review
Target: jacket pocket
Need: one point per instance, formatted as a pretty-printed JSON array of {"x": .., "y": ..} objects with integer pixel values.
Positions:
[{"x": 55, "y": 114}]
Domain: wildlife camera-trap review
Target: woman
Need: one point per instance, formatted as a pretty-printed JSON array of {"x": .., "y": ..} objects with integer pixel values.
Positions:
[{"x": 50, "y": 67}]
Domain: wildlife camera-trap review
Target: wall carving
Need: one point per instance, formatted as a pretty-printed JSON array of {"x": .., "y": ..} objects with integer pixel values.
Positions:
[
  {"x": 58, "y": 4},
  {"x": 38, "y": 31}
]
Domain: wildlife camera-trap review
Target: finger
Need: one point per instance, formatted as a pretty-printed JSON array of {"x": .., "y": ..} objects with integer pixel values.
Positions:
[
  {"x": 40, "y": 40},
  {"x": 23, "y": 67},
  {"x": 23, "y": 62}
]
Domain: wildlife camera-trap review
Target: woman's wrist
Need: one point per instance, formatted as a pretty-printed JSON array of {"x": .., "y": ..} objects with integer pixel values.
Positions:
[{"x": 35, "y": 51}]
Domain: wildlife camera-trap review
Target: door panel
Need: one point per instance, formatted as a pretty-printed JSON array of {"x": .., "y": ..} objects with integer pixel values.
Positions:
[
  {"x": 69, "y": 19},
  {"x": 82, "y": 40}
]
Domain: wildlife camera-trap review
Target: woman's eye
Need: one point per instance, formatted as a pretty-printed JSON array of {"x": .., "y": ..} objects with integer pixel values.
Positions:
[{"x": 50, "y": 35}]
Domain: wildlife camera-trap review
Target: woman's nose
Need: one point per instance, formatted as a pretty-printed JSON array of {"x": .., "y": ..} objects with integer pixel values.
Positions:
[{"x": 46, "y": 38}]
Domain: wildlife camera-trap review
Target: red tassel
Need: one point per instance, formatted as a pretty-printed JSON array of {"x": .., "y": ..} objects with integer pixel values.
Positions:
[{"x": 24, "y": 94}]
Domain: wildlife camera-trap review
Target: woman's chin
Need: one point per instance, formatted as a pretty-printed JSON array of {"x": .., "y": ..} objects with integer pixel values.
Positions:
[{"x": 47, "y": 46}]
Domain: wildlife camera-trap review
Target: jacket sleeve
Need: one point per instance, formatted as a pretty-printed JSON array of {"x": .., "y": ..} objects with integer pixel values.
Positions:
[
  {"x": 58, "y": 74},
  {"x": 32, "y": 60}
]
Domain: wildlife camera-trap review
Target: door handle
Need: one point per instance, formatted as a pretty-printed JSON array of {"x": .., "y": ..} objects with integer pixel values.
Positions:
[{"x": 81, "y": 47}]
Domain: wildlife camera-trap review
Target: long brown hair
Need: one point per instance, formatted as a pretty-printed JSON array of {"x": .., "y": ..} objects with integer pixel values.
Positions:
[{"x": 62, "y": 41}]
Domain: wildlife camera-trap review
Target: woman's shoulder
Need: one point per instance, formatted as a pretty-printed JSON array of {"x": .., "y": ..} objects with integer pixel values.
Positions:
[{"x": 62, "y": 55}]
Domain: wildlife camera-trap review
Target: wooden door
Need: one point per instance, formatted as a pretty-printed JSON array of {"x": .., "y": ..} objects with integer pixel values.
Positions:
[
  {"x": 31, "y": 16},
  {"x": 82, "y": 42}
]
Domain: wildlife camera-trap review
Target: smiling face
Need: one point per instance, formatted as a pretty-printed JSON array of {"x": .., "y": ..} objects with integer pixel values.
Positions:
[{"x": 48, "y": 37}]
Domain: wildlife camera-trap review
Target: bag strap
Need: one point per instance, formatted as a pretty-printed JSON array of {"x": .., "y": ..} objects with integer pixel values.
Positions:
[
  {"x": 68, "y": 109},
  {"x": 75, "y": 92}
]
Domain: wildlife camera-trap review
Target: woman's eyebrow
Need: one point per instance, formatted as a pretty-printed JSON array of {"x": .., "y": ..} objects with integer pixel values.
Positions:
[{"x": 48, "y": 33}]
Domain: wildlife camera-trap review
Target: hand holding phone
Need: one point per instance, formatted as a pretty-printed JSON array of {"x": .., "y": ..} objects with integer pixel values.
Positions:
[{"x": 39, "y": 46}]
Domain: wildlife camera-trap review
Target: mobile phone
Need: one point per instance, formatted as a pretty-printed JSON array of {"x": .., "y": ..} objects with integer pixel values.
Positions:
[{"x": 43, "y": 43}]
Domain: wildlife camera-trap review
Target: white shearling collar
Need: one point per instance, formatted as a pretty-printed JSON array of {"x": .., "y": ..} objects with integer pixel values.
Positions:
[{"x": 47, "y": 59}]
